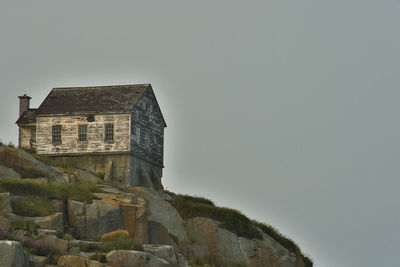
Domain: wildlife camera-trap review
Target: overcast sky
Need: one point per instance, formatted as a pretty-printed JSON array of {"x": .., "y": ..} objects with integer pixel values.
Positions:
[{"x": 285, "y": 110}]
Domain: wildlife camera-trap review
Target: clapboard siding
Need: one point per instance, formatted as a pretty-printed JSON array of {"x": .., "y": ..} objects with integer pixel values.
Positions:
[{"x": 95, "y": 134}]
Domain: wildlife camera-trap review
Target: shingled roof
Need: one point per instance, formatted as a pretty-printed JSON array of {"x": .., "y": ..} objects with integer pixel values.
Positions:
[
  {"x": 28, "y": 117},
  {"x": 96, "y": 99}
]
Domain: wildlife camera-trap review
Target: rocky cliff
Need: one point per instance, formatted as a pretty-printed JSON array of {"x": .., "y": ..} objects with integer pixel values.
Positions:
[{"x": 52, "y": 214}]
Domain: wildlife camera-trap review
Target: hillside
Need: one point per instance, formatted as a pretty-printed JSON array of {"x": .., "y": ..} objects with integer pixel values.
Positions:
[{"x": 53, "y": 214}]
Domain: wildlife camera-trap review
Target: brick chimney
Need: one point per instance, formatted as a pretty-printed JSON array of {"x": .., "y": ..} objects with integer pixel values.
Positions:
[{"x": 23, "y": 103}]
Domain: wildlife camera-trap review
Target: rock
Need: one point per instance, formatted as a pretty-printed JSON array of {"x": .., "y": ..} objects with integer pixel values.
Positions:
[
  {"x": 5, "y": 203},
  {"x": 52, "y": 222},
  {"x": 8, "y": 173},
  {"x": 5, "y": 224},
  {"x": 12, "y": 254},
  {"x": 127, "y": 258},
  {"x": 162, "y": 212},
  {"x": 36, "y": 261},
  {"x": 158, "y": 234},
  {"x": 77, "y": 261},
  {"x": 182, "y": 261},
  {"x": 162, "y": 251},
  {"x": 58, "y": 204},
  {"x": 209, "y": 239},
  {"x": 47, "y": 232},
  {"x": 20, "y": 234},
  {"x": 19, "y": 158},
  {"x": 107, "y": 215},
  {"x": 81, "y": 175},
  {"x": 57, "y": 243}
]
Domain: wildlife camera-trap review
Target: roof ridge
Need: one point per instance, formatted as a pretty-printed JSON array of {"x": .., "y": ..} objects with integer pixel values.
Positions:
[{"x": 104, "y": 86}]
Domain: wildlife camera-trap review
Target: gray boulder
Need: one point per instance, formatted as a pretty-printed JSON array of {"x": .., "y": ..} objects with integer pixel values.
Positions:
[
  {"x": 162, "y": 212},
  {"x": 127, "y": 258},
  {"x": 162, "y": 251},
  {"x": 8, "y": 173},
  {"x": 12, "y": 254}
]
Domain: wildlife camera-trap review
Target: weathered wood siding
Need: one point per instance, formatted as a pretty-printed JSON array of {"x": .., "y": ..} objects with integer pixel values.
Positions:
[
  {"x": 95, "y": 134},
  {"x": 25, "y": 135},
  {"x": 147, "y": 130}
]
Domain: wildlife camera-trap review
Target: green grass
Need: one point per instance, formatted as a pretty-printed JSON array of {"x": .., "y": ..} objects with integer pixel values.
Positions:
[
  {"x": 80, "y": 191},
  {"x": 230, "y": 219},
  {"x": 111, "y": 245},
  {"x": 31, "y": 173},
  {"x": 32, "y": 206},
  {"x": 100, "y": 257}
]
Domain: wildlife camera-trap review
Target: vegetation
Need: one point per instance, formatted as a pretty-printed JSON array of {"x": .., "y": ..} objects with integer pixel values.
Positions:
[
  {"x": 22, "y": 224},
  {"x": 98, "y": 256},
  {"x": 31, "y": 173},
  {"x": 32, "y": 206},
  {"x": 66, "y": 163},
  {"x": 230, "y": 219},
  {"x": 105, "y": 247},
  {"x": 212, "y": 261},
  {"x": 284, "y": 241},
  {"x": 115, "y": 236},
  {"x": 82, "y": 191},
  {"x": 100, "y": 175}
]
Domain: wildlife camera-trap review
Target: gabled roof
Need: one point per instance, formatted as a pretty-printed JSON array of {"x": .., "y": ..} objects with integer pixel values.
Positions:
[
  {"x": 91, "y": 100},
  {"x": 28, "y": 117}
]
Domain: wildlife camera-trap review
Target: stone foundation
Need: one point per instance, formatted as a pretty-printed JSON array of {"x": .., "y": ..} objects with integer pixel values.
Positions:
[{"x": 125, "y": 169}]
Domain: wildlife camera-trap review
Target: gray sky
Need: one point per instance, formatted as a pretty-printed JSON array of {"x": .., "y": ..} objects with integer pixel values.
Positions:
[{"x": 285, "y": 110}]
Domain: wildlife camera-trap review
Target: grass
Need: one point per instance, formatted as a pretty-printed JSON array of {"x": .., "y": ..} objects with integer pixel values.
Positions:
[
  {"x": 32, "y": 206},
  {"x": 80, "y": 191},
  {"x": 31, "y": 173},
  {"x": 234, "y": 221},
  {"x": 230, "y": 219},
  {"x": 22, "y": 224},
  {"x": 284, "y": 241},
  {"x": 105, "y": 247}
]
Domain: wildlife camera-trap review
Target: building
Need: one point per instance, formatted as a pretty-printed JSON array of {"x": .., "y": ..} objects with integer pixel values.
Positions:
[{"x": 115, "y": 130}]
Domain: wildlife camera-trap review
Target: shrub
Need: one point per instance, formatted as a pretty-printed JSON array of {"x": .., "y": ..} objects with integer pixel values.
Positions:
[
  {"x": 230, "y": 219},
  {"x": 115, "y": 236},
  {"x": 31, "y": 206},
  {"x": 98, "y": 256},
  {"x": 39, "y": 247},
  {"x": 100, "y": 175}
]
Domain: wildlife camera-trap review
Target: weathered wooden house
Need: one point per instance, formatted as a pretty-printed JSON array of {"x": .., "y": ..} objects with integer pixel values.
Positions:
[{"x": 117, "y": 130}]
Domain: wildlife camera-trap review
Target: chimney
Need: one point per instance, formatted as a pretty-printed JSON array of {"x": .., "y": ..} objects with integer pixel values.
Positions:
[{"x": 23, "y": 103}]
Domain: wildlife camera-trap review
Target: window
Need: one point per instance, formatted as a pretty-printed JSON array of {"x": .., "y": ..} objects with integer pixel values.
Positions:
[
  {"x": 82, "y": 132},
  {"x": 56, "y": 133},
  {"x": 109, "y": 132}
]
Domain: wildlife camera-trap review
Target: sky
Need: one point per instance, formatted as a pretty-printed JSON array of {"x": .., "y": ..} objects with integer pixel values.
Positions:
[{"x": 285, "y": 110}]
